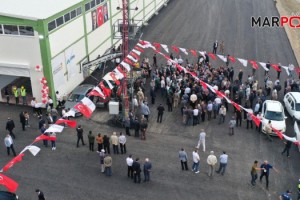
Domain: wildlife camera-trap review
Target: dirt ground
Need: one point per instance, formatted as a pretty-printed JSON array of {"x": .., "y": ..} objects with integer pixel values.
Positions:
[{"x": 289, "y": 8}]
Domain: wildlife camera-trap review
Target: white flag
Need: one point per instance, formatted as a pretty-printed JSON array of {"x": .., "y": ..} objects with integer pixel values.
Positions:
[
  {"x": 286, "y": 69},
  {"x": 127, "y": 66},
  {"x": 86, "y": 101},
  {"x": 70, "y": 113},
  {"x": 107, "y": 77},
  {"x": 34, "y": 150},
  {"x": 292, "y": 139},
  {"x": 119, "y": 74},
  {"x": 243, "y": 61},
  {"x": 132, "y": 58},
  {"x": 202, "y": 53},
  {"x": 55, "y": 128},
  {"x": 184, "y": 51},
  {"x": 264, "y": 65},
  {"x": 223, "y": 58},
  {"x": 136, "y": 51},
  {"x": 165, "y": 47}
]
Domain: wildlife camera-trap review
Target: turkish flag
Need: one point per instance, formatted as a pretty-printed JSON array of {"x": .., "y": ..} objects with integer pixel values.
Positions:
[
  {"x": 114, "y": 78},
  {"x": 203, "y": 85},
  {"x": 175, "y": 49},
  {"x": 276, "y": 67},
  {"x": 70, "y": 123},
  {"x": 255, "y": 120},
  {"x": 194, "y": 52},
  {"x": 12, "y": 162},
  {"x": 213, "y": 56},
  {"x": 254, "y": 64},
  {"x": 156, "y": 45},
  {"x": 279, "y": 134},
  {"x": 84, "y": 110},
  {"x": 231, "y": 58},
  {"x": 96, "y": 91},
  {"x": 44, "y": 137},
  {"x": 10, "y": 184},
  {"x": 105, "y": 90},
  {"x": 100, "y": 20}
]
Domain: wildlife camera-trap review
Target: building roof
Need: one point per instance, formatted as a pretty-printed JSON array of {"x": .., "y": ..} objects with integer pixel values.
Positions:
[{"x": 34, "y": 9}]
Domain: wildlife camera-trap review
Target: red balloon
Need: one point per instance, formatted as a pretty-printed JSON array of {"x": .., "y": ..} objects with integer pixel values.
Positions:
[
  {"x": 44, "y": 87},
  {"x": 45, "y": 95},
  {"x": 44, "y": 101},
  {"x": 43, "y": 78}
]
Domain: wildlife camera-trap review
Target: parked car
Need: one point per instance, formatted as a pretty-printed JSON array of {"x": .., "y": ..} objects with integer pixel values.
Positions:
[
  {"x": 274, "y": 111},
  {"x": 8, "y": 196},
  {"x": 297, "y": 132},
  {"x": 291, "y": 102}
]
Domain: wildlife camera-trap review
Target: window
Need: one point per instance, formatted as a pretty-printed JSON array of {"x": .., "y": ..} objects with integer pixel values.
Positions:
[
  {"x": 51, "y": 25},
  {"x": 98, "y": 2},
  {"x": 67, "y": 17},
  {"x": 1, "y": 30},
  {"x": 292, "y": 105},
  {"x": 93, "y": 4},
  {"x": 59, "y": 21},
  {"x": 79, "y": 11},
  {"x": 87, "y": 7},
  {"x": 26, "y": 30},
  {"x": 11, "y": 30},
  {"x": 73, "y": 14}
]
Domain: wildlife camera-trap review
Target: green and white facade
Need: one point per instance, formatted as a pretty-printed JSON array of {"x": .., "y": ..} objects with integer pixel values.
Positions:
[{"x": 59, "y": 36}]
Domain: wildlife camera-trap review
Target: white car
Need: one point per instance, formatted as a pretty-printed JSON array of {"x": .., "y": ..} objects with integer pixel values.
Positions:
[
  {"x": 274, "y": 111},
  {"x": 291, "y": 102}
]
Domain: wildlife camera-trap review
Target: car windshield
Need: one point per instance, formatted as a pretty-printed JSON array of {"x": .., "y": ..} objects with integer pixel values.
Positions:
[
  {"x": 75, "y": 97},
  {"x": 277, "y": 116},
  {"x": 297, "y": 106}
]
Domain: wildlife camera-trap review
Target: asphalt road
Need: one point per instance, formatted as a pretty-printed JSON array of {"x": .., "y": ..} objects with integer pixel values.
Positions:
[{"x": 74, "y": 173}]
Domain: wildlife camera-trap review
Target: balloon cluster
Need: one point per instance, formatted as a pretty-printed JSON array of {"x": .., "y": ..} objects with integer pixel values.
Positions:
[
  {"x": 38, "y": 68},
  {"x": 45, "y": 90}
]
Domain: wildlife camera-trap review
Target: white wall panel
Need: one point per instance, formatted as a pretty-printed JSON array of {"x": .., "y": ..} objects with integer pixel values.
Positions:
[
  {"x": 100, "y": 50},
  {"x": 65, "y": 36},
  {"x": 149, "y": 11},
  {"x": 96, "y": 37}
]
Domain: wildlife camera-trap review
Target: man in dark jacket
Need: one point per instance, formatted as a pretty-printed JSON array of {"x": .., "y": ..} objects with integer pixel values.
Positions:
[
  {"x": 40, "y": 194},
  {"x": 287, "y": 147},
  {"x": 136, "y": 166},
  {"x": 147, "y": 170},
  {"x": 22, "y": 120},
  {"x": 41, "y": 122},
  {"x": 10, "y": 125},
  {"x": 144, "y": 126},
  {"x": 161, "y": 110},
  {"x": 79, "y": 135},
  {"x": 137, "y": 127}
]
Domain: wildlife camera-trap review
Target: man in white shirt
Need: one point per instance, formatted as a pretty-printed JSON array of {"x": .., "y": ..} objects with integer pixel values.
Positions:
[
  {"x": 9, "y": 144},
  {"x": 195, "y": 116},
  {"x": 223, "y": 163},
  {"x": 129, "y": 162},
  {"x": 202, "y": 136},
  {"x": 163, "y": 86},
  {"x": 211, "y": 161},
  {"x": 196, "y": 161},
  {"x": 187, "y": 90},
  {"x": 122, "y": 141}
]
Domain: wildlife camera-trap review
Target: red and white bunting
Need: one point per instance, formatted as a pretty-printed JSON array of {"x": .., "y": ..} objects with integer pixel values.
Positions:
[
  {"x": 136, "y": 51},
  {"x": 287, "y": 70},
  {"x": 126, "y": 66},
  {"x": 132, "y": 58},
  {"x": 243, "y": 61},
  {"x": 12, "y": 162},
  {"x": 183, "y": 50},
  {"x": 264, "y": 65},
  {"x": 165, "y": 47},
  {"x": 254, "y": 64},
  {"x": 54, "y": 128},
  {"x": 96, "y": 91},
  {"x": 223, "y": 58}
]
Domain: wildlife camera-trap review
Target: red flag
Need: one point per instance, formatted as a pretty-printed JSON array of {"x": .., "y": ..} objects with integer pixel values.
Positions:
[
  {"x": 142, "y": 42},
  {"x": 114, "y": 78},
  {"x": 213, "y": 56},
  {"x": 297, "y": 143},
  {"x": 297, "y": 69},
  {"x": 276, "y": 67},
  {"x": 139, "y": 49},
  {"x": 236, "y": 105},
  {"x": 175, "y": 49},
  {"x": 106, "y": 91},
  {"x": 10, "y": 184},
  {"x": 231, "y": 58},
  {"x": 203, "y": 85},
  {"x": 12, "y": 162},
  {"x": 279, "y": 134},
  {"x": 96, "y": 92},
  {"x": 84, "y": 110},
  {"x": 194, "y": 52},
  {"x": 220, "y": 94},
  {"x": 44, "y": 137},
  {"x": 254, "y": 64},
  {"x": 70, "y": 123},
  {"x": 100, "y": 20},
  {"x": 255, "y": 119},
  {"x": 156, "y": 45}
]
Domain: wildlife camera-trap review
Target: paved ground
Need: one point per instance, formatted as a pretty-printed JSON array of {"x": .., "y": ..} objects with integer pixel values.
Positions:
[{"x": 74, "y": 173}]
